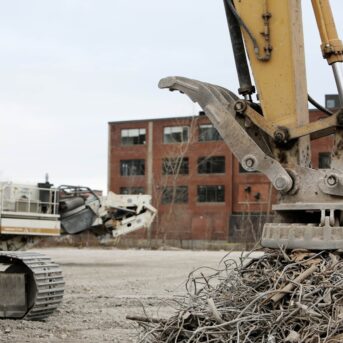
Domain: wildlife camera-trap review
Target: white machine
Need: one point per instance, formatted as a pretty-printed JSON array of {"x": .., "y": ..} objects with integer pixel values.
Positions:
[{"x": 31, "y": 285}]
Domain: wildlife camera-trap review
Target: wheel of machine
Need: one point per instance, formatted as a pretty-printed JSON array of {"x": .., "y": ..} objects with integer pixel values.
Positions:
[{"x": 31, "y": 285}]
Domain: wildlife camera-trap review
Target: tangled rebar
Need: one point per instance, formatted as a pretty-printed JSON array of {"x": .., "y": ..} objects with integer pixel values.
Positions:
[{"x": 277, "y": 297}]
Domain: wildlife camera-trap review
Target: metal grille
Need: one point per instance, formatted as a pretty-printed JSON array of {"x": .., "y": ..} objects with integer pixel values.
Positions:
[{"x": 28, "y": 199}]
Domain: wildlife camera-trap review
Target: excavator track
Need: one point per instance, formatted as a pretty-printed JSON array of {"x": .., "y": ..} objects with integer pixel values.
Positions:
[{"x": 44, "y": 285}]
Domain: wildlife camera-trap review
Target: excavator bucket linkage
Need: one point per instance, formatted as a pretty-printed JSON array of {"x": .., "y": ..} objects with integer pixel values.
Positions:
[{"x": 309, "y": 214}]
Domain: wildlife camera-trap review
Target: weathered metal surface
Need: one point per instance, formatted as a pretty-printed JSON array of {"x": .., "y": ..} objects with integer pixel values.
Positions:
[
  {"x": 281, "y": 80},
  {"x": 45, "y": 284},
  {"x": 302, "y": 236},
  {"x": 219, "y": 105},
  {"x": 12, "y": 295},
  {"x": 337, "y": 72},
  {"x": 332, "y": 47}
]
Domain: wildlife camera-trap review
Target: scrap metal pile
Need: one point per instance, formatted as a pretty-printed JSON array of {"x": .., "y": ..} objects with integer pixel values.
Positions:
[{"x": 277, "y": 297}]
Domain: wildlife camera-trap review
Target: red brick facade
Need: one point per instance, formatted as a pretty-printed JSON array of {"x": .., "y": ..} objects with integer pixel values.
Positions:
[{"x": 245, "y": 193}]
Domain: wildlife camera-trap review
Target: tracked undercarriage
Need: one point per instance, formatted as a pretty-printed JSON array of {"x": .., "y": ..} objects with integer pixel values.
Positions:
[{"x": 31, "y": 285}]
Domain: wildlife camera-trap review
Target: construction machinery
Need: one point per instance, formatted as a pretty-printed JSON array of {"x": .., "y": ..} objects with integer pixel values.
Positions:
[
  {"x": 31, "y": 285},
  {"x": 272, "y": 134}
]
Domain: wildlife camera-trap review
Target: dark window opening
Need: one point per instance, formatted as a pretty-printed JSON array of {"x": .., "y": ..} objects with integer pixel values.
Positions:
[
  {"x": 332, "y": 101},
  {"x": 324, "y": 160},
  {"x": 131, "y": 190},
  {"x": 175, "y": 166},
  {"x": 208, "y": 132},
  {"x": 132, "y": 167},
  {"x": 211, "y": 193},
  {"x": 211, "y": 165},
  {"x": 133, "y": 136},
  {"x": 175, "y": 195}
]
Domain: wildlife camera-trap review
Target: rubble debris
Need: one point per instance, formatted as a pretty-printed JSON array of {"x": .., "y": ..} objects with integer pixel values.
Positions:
[{"x": 277, "y": 297}]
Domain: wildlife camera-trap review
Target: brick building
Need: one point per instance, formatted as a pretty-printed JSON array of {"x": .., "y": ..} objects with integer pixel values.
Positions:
[{"x": 198, "y": 186}]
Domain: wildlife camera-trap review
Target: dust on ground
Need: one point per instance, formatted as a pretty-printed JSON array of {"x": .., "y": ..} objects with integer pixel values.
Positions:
[{"x": 103, "y": 286}]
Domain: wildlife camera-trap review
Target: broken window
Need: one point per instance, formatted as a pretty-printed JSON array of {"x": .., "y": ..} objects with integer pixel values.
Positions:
[
  {"x": 175, "y": 195},
  {"x": 133, "y": 136},
  {"x": 175, "y": 166},
  {"x": 175, "y": 134},
  {"x": 211, "y": 165},
  {"x": 324, "y": 160},
  {"x": 207, "y": 132},
  {"x": 209, "y": 193},
  {"x": 132, "y": 167}
]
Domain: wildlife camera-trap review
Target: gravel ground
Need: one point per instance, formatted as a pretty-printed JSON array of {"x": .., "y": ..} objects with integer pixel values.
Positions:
[{"x": 103, "y": 286}]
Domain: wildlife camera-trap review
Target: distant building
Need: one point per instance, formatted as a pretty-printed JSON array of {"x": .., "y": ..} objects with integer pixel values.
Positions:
[
  {"x": 198, "y": 186},
  {"x": 332, "y": 101}
]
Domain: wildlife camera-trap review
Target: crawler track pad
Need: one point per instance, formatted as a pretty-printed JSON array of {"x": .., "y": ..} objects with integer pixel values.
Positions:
[{"x": 44, "y": 285}]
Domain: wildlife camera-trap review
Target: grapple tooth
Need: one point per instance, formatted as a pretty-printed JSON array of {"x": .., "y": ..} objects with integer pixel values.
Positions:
[{"x": 301, "y": 236}]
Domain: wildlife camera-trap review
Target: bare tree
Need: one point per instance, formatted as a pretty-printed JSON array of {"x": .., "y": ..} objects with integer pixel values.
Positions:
[{"x": 170, "y": 190}]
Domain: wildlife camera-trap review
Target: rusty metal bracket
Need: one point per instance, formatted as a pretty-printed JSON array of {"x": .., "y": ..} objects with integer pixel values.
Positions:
[
  {"x": 332, "y": 183},
  {"x": 317, "y": 129}
]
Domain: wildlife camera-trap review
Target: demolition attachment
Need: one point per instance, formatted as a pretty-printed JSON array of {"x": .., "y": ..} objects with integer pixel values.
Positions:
[{"x": 273, "y": 135}]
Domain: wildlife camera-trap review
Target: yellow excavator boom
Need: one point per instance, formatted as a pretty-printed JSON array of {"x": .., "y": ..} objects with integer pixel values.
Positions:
[{"x": 272, "y": 135}]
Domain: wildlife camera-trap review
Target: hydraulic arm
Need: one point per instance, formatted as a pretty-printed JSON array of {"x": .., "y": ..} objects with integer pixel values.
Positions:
[
  {"x": 273, "y": 134},
  {"x": 332, "y": 47}
]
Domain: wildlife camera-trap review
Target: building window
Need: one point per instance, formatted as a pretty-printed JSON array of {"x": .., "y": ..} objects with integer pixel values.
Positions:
[
  {"x": 175, "y": 166},
  {"x": 211, "y": 165},
  {"x": 211, "y": 193},
  {"x": 175, "y": 195},
  {"x": 132, "y": 167},
  {"x": 175, "y": 134},
  {"x": 243, "y": 171},
  {"x": 133, "y": 136},
  {"x": 324, "y": 160},
  {"x": 131, "y": 190},
  {"x": 208, "y": 132},
  {"x": 332, "y": 101}
]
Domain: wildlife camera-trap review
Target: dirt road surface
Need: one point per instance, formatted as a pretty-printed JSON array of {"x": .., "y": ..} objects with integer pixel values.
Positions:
[{"x": 103, "y": 286}]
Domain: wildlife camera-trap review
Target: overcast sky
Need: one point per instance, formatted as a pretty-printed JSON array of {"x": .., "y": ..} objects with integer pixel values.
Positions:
[{"x": 68, "y": 67}]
